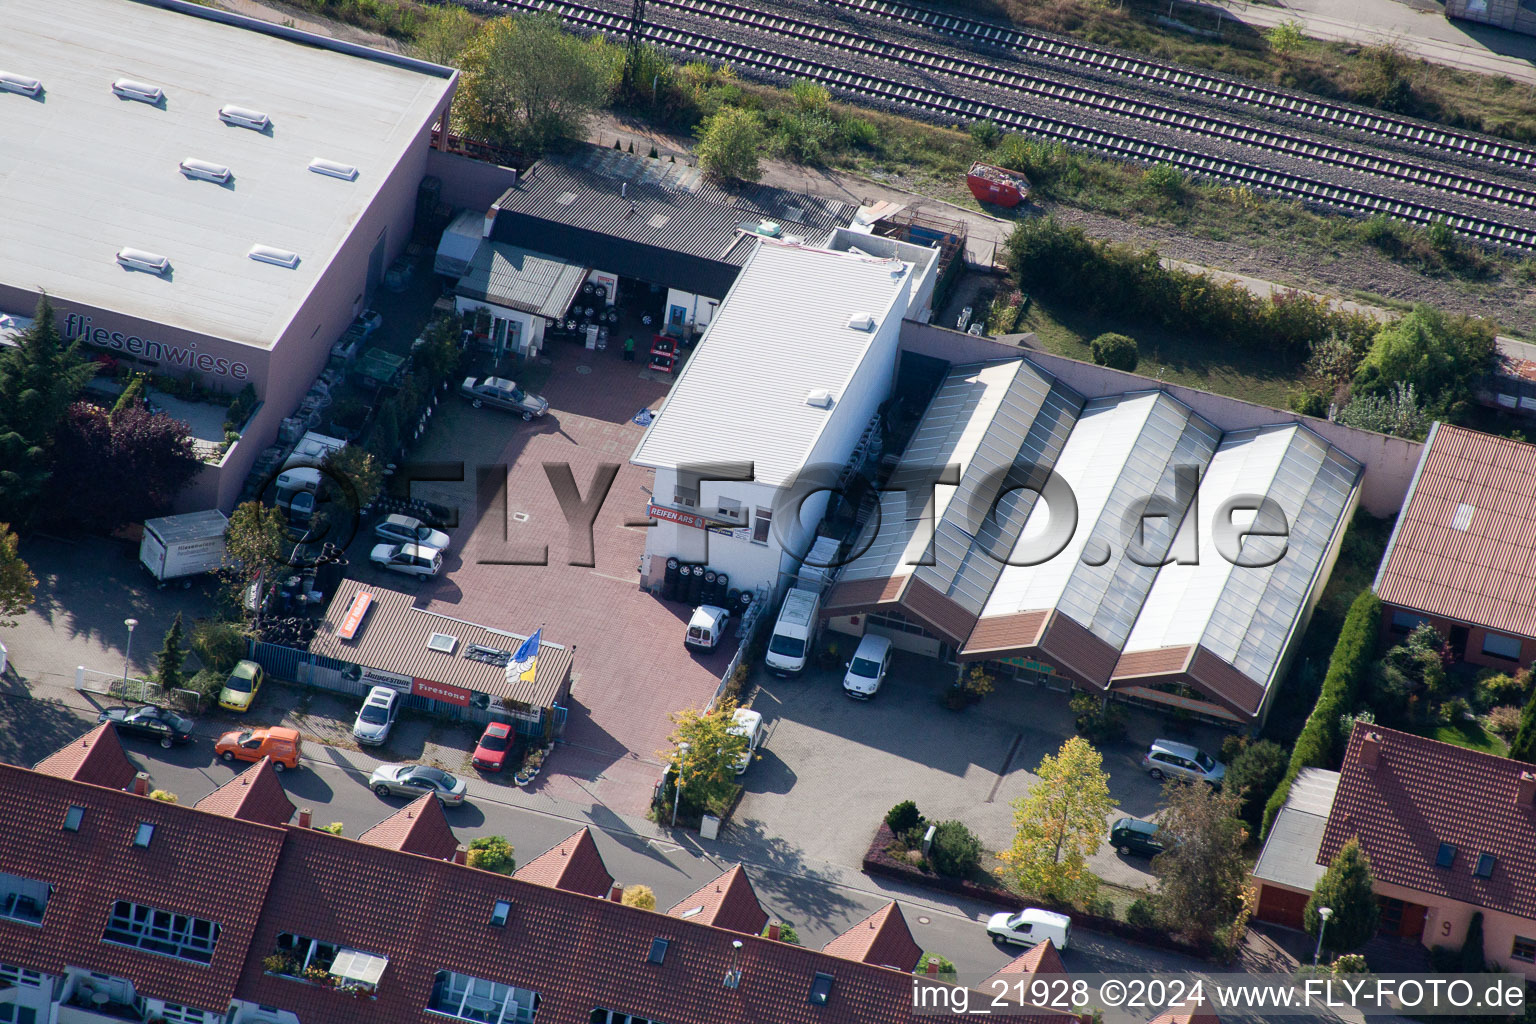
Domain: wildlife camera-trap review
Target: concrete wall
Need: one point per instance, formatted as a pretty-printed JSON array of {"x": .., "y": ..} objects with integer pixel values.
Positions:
[
  {"x": 473, "y": 184},
  {"x": 701, "y": 308},
  {"x": 1389, "y": 461}
]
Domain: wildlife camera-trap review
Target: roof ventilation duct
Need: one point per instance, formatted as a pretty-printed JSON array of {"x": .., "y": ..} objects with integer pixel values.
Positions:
[
  {"x": 128, "y": 89},
  {"x": 206, "y": 170},
  {"x": 273, "y": 255},
  {"x": 12, "y": 82},
  {"x": 245, "y": 118},
  {"x": 821, "y": 398},
  {"x": 333, "y": 168},
  {"x": 861, "y": 322}
]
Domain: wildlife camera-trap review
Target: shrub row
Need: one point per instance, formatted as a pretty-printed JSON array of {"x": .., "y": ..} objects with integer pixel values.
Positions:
[
  {"x": 1319, "y": 740},
  {"x": 1062, "y": 261}
]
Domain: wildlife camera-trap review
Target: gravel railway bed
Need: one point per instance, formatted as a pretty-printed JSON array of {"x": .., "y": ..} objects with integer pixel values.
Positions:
[{"x": 946, "y": 88}]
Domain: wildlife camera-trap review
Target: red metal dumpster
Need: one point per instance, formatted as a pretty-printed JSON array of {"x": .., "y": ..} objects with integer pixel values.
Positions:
[{"x": 998, "y": 185}]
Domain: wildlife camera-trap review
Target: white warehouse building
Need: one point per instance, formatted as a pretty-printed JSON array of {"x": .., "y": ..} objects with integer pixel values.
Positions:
[{"x": 785, "y": 382}]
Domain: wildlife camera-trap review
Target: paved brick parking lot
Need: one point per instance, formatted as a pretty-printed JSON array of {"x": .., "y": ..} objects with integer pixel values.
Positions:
[
  {"x": 828, "y": 758},
  {"x": 630, "y": 666}
]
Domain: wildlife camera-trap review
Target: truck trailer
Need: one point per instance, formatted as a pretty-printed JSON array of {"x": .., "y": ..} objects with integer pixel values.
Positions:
[{"x": 178, "y": 547}]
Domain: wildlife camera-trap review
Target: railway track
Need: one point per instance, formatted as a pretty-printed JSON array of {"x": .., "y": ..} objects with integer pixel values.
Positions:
[
  {"x": 954, "y": 107},
  {"x": 1200, "y": 83}
]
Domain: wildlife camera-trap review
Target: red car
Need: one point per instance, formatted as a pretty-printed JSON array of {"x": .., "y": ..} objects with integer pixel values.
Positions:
[{"x": 491, "y": 752}]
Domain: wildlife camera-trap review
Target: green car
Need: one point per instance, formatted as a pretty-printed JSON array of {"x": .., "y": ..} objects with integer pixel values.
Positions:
[
  {"x": 241, "y": 687},
  {"x": 1131, "y": 835}
]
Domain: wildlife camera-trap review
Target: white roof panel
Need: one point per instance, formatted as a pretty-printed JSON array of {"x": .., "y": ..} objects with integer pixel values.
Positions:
[
  {"x": 781, "y": 333},
  {"x": 85, "y": 173}
]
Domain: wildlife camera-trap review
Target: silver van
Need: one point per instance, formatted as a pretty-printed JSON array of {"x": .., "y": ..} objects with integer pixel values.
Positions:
[{"x": 1166, "y": 759}]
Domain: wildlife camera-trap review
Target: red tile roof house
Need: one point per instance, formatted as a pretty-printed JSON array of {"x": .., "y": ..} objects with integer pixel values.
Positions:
[
  {"x": 1463, "y": 553},
  {"x": 1448, "y": 831},
  {"x": 115, "y": 906}
]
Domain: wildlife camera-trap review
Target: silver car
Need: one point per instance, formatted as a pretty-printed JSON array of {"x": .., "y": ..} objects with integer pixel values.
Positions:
[
  {"x": 501, "y": 393},
  {"x": 377, "y": 716},
  {"x": 414, "y": 780},
  {"x": 411, "y": 559},
  {"x": 1169, "y": 760},
  {"x": 409, "y": 530}
]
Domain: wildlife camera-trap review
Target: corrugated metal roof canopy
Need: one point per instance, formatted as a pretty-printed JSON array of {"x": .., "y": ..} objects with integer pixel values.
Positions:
[
  {"x": 1484, "y": 574},
  {"x": 516, "y": 278},
  {"x": 394, "y": 637}
]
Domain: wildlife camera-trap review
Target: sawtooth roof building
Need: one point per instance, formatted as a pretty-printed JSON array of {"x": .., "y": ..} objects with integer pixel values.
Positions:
[
  {"x": 115, "y": 906},
  {"x": 1058, "y": 542},
  {"x": 267, "y": 174}
]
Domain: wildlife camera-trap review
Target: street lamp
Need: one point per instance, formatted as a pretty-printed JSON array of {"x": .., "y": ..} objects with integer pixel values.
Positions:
[
  {"x": 1325, "y": 913},
  {"x": 128, "y": 650}
]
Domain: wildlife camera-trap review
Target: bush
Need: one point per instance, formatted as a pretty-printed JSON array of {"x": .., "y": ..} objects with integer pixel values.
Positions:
[
  {"x": 1498, "y": 688},
  {"x": 729, "y": 144},
  {"x": 1309, "y": 403},
  {"x": 809, "y": 96},
  {"x": 1350, "y": 963},
  {"x": 985, "y": 133},
  {"x": 639, "y": 896},
  {"x": 1101, "y": 906},
  {"x": 946, "y": 967},
  {"x": 903, "y": 818},
  {"x": 956, "y": 850},
  {"x": 857, "y": 132},
  {"x": 1503, "y": 720},
  {"x": 164, "y": 796},
  {"x": 1162, "y": 180},
  {"x": 1142, "y": 913},
  {"x": 1352, "y": 655},
  {"x": 219, "y": 644},
  {"x": 1115, "y": 351}
]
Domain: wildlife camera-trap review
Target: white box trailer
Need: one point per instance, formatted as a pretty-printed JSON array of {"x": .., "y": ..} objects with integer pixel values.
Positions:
[
  {"x": 186, "y": 545},
  {"x": 460, "y": 241}
]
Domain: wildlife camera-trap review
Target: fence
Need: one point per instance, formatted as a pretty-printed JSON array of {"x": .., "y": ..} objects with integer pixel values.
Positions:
[{"x": 142, "y": 691}]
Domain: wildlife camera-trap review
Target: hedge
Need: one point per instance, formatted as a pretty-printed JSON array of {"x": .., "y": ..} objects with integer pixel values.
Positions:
[
  {"x": 1061, "y": 260},
  {"x": 1319, "y": 740}
]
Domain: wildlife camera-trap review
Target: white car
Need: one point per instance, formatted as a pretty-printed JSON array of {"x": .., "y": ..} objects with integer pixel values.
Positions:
[
  {"x": 1030, "y": 927},
  {"x": 411, "y": 559},
  {"x": 747, "y": 724},
  {"x": 707, "y": 627},
  {"x": 501, "y": 393},
  {"x": 377, "y": 716},
  {"x": 866, "y": 671},
  {"x": 409, "y": 530}
]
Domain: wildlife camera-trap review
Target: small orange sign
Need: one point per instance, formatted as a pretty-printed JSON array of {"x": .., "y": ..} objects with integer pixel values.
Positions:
[{"x": 361, "y": 602}]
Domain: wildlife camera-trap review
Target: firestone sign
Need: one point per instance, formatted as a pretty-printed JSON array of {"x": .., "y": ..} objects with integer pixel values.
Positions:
[
  {"x": 445, "y": 692},
  {"x": 170, "y": 356}
]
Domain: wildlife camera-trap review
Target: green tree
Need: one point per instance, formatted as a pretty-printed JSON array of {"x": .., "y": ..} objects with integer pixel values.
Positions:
[
  {"x": 164, "y": 796},
  {"x": 1473, "y": 960},
  {"x": 168, "y": 663},
  {"x": 255, "y": 545},
  {"x": 39, "y": 378},
  {"x": 639, "y": 896},
  {"x": 1061, "y": 823},
  {"x": 492, "y": 853},
  {"x": 1396, "y": 412},
  {"x": 1201, "y": 869},
  {"x": 133, "y": 394},
  {"x": 444, "y": 34},
  {"x": 730, "y": 141},
  {"x": 1523, "y": 746},
  {"x": 1346, "y": 888},
  {"x": 16, "y": 580},
  {"x": 956, "y": 850},
  {"x": 356, "y": 476},
  {"x": 705, "y": 753},
  {"x": 1440, "y": 357},
  {"x": 528, "y": 84},
  {"x": 1116, "y": 351},
  {"x": 1285, "y": 39},
  {"x": 1252, "y": 777}
]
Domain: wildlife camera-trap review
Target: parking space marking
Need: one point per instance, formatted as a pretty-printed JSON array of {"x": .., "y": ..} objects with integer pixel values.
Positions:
[
  {"x": 1018, "y": 738},
  {"x": 617, "y": 579}
]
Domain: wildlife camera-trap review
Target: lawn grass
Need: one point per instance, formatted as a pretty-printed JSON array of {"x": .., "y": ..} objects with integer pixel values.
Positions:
[
  {"x": 1470, "y": 735},
  {"x": 1192, "y": 362},
  {"x": 1382, "y": 77}
]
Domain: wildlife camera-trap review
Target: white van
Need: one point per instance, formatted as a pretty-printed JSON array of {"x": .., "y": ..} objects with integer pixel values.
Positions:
[
  {"x": 1030, "y": 927},
  {"x": 707, "y": 627},
  {"x": 794, "y": 634},
  {"x": 748, "y": 723},
  {"x": 867, "y": 668}
]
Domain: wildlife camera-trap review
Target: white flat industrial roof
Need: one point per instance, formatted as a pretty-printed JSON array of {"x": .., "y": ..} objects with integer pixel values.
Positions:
[
  {"x": 84, "y": 173},
  {"x": 780, "y": 333}
]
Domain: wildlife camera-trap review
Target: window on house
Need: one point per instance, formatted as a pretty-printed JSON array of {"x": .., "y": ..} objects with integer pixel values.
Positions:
[
  {"x": 658, "y": 951},
  {"x": 23, "y": 899},
  {"x": 821, "y": 989},
  {"x": 174, "y": 1013},
  {"x": 160, "y": 931},
  {"x": 143, "y": 834},
  {"x": 500, "y": 912},
  {"x": 1485, "y": 863},
  {"x": 602, "y": 1016},
  {"x": 1446, "y": 857},
  {"x": 1404, "y": 622},
  {"x": 1502, "y": 646},
  {"x": 688, "y": 497},
  {"x": 727, "y": 508},
  {"x": 19, "y": 977},
  {"x": 761, "y": 525},
  {"x": 491, "y": 1002},
  {"x": 1523, "y": 950},
  {"x": 10, "y": 1013},
  {"x": 72, "y": 819}
]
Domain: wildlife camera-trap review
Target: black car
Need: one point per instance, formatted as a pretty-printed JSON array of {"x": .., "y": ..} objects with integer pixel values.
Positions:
[
  {"x": 157, "y": 723},
  {"x": 1130, "y": 835}
]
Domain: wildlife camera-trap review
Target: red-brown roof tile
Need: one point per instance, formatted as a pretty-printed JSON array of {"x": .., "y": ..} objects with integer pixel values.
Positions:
[
  {"x": 1072, "y": 646},
  {"x": 728, "y": 902},
  {"x": 1155, "y": 662},
  {"x": 97, "y": 758},
  {"x": 574, "y": 865},
  {"x": 1485, "y": 574},
  {"x": 418, "y": 827},
  {"x": 851, "y": 596},
  {"x": 1001, "y": 634},
  {"x": 1223, "y": 682},
  {"x": 882, "y": 939},
  {"x": 1186, "y": 1018},
  {"x": 1039, "y": 959},
  {"x": 937, "y": 612},
  {"x": 200, "y": 864},
  {"x": 255, "y": 794},
  {"x": 1422, "y": 793}
]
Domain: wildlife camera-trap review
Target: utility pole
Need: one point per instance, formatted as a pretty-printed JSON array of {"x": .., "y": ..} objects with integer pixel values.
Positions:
[{"x": 632, "y": 49}]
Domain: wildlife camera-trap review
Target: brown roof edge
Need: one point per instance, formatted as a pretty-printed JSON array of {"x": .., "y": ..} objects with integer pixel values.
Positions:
[
  {"x": 937, "y": 612},
  {"x": 855, "y": 596},
  {"x": 1073, "y": 646},
  {"x": 1001, "y": 635},
  {"x": 1161, "y": 661}
]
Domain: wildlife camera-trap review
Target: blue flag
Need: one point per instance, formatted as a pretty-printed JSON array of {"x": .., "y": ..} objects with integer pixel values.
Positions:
[{"x": 525, "y": 659}]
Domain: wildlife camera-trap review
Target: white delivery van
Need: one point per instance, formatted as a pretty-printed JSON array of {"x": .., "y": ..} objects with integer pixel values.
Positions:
[
  {"x": 707, "y": 627},
  {"x": 748, "y": 723},
  {"x": 179, "y": 546},
  {"x": 794, "y": 634}
]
